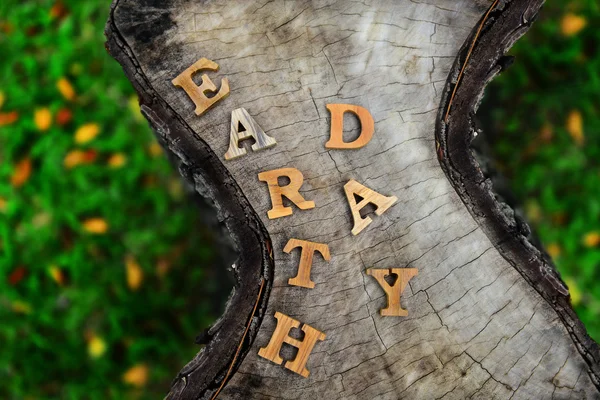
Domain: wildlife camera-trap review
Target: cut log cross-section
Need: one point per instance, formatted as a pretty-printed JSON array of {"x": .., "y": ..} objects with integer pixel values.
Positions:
[{"x": 400, "y": 191}]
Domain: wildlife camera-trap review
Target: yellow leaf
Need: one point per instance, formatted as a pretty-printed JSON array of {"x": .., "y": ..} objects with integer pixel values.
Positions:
[
  {"x": 56, "y": 274},
  {"x": 571, "y": 24},
  {"x": 136, "y": 375},
  {"x": 554, "y": 250},
  {"x": 76, "y": 68},
  {"x": 96, "y": 346},
  {"x": 78, "y": 157},
  {"x": 86, "y": 132},
  {"x": 65, "y": 88},
  {"x": 3, "y": 204},
  {"x": 134, "y": 106},
  {"x": 21, "y": 173},
  {"x": 41, "y": 219},
  {"x": 95, "y": 225},
  {"x": 575, "y": 126},
  {"x": 20, "y": 307},
  {"x": 117, "y": 160},
  {"x": 135, "y": 275},
  {"x": 175, "y": 188},
  {"x": 42, "y": 118},
  {"x": 2, "y": 98},
  {"x": 591, "y": 239},
  {"x": 155, "y": 149},
  {"x": 573, "y": 291},
  {"x": 533, "y": 211},
  {"x": 74, "y": 158}
]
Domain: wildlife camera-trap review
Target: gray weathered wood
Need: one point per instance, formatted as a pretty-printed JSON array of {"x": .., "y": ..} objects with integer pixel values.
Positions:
[{"x": 485, "y": 320}]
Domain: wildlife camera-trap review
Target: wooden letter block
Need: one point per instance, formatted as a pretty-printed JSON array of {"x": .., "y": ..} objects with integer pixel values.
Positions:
[
  {"x": 198, "y": 93},
  {"x": 336, "y": 139},
  {"x": 290, "y": 191},
  {"x": 306, "y": 258},
  {"x": 241, "y": 118},
  {"x": 394, "y": 291},
  {"x": 352, "y": 189},
  {"x": 304, "y": 346}
]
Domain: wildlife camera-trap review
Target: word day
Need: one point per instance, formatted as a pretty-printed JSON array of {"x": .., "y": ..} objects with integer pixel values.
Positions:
[{"x": 243, "y": 127}]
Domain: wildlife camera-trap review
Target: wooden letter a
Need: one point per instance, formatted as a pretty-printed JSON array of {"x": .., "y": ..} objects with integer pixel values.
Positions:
[
  {"x": 290, "y": 191},
  {"x": 241, "y": 118},
  {"x": 352, "y": 189},
  {"x": 393, "y": 291},
  {"x": 281, "y": 335}
]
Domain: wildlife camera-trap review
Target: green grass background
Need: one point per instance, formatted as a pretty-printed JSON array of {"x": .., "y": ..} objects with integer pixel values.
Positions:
[
  {"x": 45, "y": 350},
  {"x": 48, "y": 330}
]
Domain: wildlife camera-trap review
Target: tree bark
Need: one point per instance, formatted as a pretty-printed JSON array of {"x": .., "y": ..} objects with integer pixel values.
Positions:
[{"x": 488, "y": 316}]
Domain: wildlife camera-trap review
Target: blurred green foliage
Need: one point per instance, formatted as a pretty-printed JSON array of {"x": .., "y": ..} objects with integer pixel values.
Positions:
[
  {"x": 70, "y": 324},
  {"x": 545, "y": 114}
]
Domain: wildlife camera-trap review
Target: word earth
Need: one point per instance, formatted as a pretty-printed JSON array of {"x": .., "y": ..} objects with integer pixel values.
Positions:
[{"x": 243, "y": 127}]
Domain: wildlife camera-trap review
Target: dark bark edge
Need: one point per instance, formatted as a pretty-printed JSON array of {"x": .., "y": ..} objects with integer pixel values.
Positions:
[
  {"x": 230, "y": 338},
  {"x": 506, "y": 22}
]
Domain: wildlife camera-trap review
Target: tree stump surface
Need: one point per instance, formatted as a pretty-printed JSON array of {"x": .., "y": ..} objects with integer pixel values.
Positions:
[{"x": 488, "y": 316}]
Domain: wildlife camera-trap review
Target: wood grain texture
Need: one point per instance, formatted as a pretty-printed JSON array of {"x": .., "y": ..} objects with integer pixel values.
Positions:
[{"x": 484, "y": 320}]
